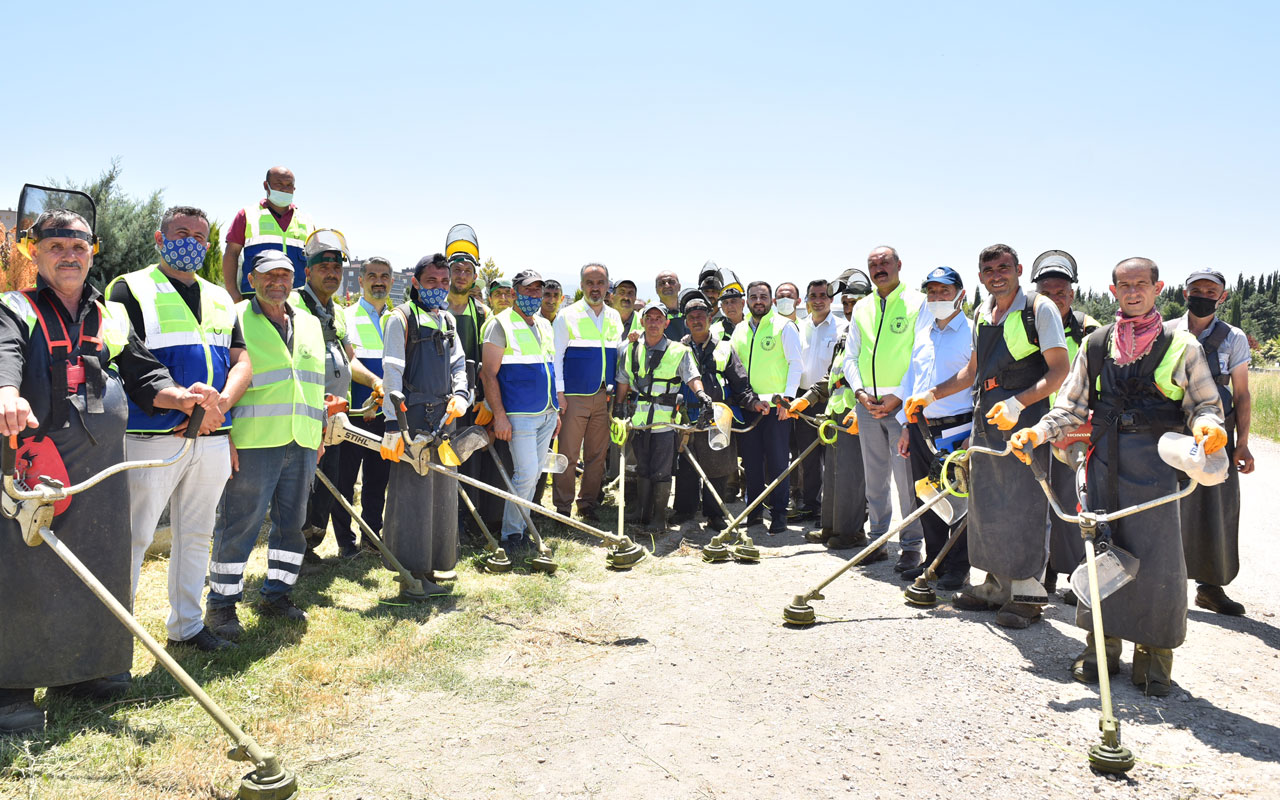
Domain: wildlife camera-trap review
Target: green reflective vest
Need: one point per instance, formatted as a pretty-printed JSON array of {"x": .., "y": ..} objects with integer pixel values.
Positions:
[
  {"x": 1163, "y": 376},
  {"x": 285, "y": 399},
  {"x": 760, "y": 350},
  {"x": 888, "y": 335},
  {"x": 666, "y": 382},
  {"x": 841, "y": 396}
]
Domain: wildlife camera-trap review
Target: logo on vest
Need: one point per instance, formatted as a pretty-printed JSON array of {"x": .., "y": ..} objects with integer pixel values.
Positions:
[
  {"x": 898, "y": 324},
  {"x": 768, "y": 343}
]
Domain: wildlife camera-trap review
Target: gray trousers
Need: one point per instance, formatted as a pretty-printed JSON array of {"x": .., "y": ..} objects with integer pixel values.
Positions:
[{"x": 879, "y": 439}]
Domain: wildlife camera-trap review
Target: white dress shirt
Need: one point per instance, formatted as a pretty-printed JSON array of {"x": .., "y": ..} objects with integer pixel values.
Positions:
[
  {"x": 560, "y": 335},
  {"x": 819, "y": 342},
  {"x": 938, "y": 354}
]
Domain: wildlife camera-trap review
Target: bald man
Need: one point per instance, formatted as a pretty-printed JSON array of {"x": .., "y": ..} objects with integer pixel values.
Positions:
[{"x": 273, "y": 224}]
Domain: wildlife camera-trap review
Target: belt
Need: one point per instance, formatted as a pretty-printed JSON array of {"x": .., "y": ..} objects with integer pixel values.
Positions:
[{"x": 947, "y": 422}]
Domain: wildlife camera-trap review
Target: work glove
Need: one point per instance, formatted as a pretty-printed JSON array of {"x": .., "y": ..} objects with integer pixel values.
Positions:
[
  {"x": 798, "y": 405},
  {"x": 376, "y": 394},
  {"x": 1211, "y": 435},
  {"x": 456, "y": 408},
  {"x": 1004, "y": 415},
  {"x": 334, "y": 404},
  {"x": 392, "y": 446},
  {"x": 483, "y": 415},
  {"x": 917, "y": 403},
  {"x": 706, "y": 409},
  {"x": 1023, "y": 442},
  {"x": 851, "y": 422}
]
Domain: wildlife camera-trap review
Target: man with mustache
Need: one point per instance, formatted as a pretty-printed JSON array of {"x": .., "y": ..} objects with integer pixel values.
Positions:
[
  {"x": 667, "y": 285},
  {"x": 1019, "y": 359}
]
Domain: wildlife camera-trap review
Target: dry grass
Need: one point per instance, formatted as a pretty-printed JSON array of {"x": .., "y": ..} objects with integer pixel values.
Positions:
[
  {"x": 288, "y": 687},
  {"x": 1265, "y": 388}
]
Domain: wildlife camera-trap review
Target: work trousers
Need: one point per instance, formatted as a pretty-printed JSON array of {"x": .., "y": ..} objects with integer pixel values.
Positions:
[
  {"x": 321, "y": 505},
  {"x": 373, "y": 487},
  {"x": 880, "y": 460},
  {"x": 530, "y": 440},
  {"x": 811, "y": 468},
  {"x": 585, "y": 431},
  {"x": 764, "y": 457},
  {"x": 191, "y": 489},
  {"x": 275, "y": 477},
  {"x": 936, "y": 532},
  {"x": 655, "y": 455}
]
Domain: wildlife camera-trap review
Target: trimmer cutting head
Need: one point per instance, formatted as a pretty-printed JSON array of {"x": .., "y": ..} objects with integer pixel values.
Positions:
[
  {"x": 799, "y": 613},
  {"x": 715, "y": 553},
  {"x": 1114, "y": 759},
  {"x": 625, "y": 556},
  {"x": 745, "y": 552},
  {"x": 282, "y": 786},
  {"x": 921, "y": 593},
  {"x": 543, "y": 564},
  {"x": 412, "y": 591},
  {"x": 497, "y": 561}
]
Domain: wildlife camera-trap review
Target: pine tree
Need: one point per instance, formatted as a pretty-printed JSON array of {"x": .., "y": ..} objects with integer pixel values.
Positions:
[{"x": 1235, "y": 310}]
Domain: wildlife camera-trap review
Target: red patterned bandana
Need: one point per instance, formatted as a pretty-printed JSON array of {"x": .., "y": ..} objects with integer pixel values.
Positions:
[{"x": 1135, "y": 335}]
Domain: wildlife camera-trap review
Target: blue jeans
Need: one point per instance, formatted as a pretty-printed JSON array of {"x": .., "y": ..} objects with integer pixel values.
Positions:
[
  {"x": 530, "y": 441},
  {"x": 275, "y": 477}
]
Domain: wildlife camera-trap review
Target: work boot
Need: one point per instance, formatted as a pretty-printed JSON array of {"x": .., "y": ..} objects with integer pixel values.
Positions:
[
  {"x": 205, "y": 640},
  {"x": 1069, "y": 597},
  {"x": 1153, "y": 669},
  {"x": 1216, "y": 600},
  {"x": 661, "y": 498},
  {"x": 952, "y": 581},
  {"x": 641, "y": 511},
  {"x": 777, "y": 524},
  {"x": 282, "y": 607},
  {"x": 1050, "y": 582},
  {"x": 909, "y": 559},
  {"x": 913, "y": 573},
  {"x": 965, "y": 601},
  {"x": 223, "y": 622},
  {"x": 588, "y": 514},
  {"x": 716, "y": 522},
  {"x": 847, "y": 541},
  {"x": 819, "y": 537},
  {"x": 1085, "y": 668},
  {"x": 105, "y": 688},
  {"x": 23, "y": 716},
  {"x": 1017, "y": 615},
  {"x": 680, "y": 517}
]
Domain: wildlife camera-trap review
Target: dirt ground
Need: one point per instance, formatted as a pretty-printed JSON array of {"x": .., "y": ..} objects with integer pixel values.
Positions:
[{"x": 678, "y": 680}]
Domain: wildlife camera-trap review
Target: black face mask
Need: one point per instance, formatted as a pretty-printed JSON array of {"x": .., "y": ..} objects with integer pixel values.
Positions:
[{"x": 1202, "y": 306}]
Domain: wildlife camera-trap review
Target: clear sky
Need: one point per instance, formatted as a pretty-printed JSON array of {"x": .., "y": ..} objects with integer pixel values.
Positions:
[{"x": 777, "y": 139}]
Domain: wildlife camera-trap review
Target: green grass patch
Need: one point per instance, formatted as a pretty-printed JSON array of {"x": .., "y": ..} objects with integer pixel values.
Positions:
[
  {"x": 286, "y": 684},
  {"x": 1265, "y": 389}
]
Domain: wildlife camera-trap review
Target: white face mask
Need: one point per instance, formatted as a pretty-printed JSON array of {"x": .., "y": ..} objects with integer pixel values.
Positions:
[
  {"x": 941, "y": 309},
  {"x": 279, "y": 198},
  {"x": 785, "y": 305}
]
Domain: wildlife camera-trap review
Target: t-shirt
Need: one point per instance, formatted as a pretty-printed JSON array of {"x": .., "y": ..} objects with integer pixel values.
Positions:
[
  {"x": 1048, "y": 320},
  {"x": 1234, "y": 350},
  {"x": 235, "y": 233}
]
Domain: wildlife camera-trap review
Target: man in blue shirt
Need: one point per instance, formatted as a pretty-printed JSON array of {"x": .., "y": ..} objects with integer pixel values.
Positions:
[{"x": 943, "y": 345}]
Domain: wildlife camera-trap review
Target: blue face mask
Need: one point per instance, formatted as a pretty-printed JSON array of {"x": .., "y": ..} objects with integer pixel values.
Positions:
[
  {"x": 431, "y": 299},
  {"x": 184, "y": 255},
  {"x": 528, "y": 305}
]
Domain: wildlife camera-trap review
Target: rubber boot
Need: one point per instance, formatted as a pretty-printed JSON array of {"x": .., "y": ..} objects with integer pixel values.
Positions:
[
  {"x": 642, "y": 509},
  {"x": 661, "y": 498},
  {"x": 1085, "y": 668},
  {"x": 1153, "y": 669}
]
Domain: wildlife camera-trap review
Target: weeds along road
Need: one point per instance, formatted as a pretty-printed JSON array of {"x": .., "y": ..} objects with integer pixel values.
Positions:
[{"x": 678, "y": 680}]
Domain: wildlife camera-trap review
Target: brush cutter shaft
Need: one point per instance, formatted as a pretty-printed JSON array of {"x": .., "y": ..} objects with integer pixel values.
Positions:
[
  {"x": 244, "y": 742},
  {"x": 1109, "y": 724},
  {"x": 529, "y": 505},
  {"x": 782, "y": 476},
  {"x": 406, "y": 577},
  {"x": 873, "y": 546},
  {"x": 932, "y": 571},
  {"x": 475, "y": 515}
]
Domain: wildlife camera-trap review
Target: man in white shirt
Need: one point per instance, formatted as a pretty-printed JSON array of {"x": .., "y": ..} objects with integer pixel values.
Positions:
[
  {"x": 820, "y": 332},
  {"x": 943, "y": 346},
  {"x": 587, "y": 335}
]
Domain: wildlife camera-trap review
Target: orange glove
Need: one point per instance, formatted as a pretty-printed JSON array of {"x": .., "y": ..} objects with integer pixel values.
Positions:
[
  {"x": 392, "y": 446},
  {"x": 917, "y": 403},
  {"x": 334, "y": 404},
  {"x": 1004, "y": 415},
  {"x": 851, "y": 422},
  {"x": 1211, "y": 435},
  {"x": 798, "y": 405},
  {"x": 483, "y": 415},
  {"x": 1023, "y": 442},
  {"x": 376, "y": 394},
  {"x": 456, "y": 408}
]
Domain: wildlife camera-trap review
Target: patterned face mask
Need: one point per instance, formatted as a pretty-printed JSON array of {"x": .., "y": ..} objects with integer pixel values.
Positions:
[
  {"x": 528, "y": 305},
  {"x": 184, "y": 255},
  {"x": 432, "y": 299}
]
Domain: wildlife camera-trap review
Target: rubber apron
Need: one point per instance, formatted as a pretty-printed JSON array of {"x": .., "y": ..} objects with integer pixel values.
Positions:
[{"x": 844, "y": 486}]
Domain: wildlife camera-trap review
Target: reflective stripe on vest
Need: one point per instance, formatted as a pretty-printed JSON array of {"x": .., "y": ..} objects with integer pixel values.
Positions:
[
  {"x": 887, "y": 337},
  {"x": 591, "y": 355},
  {"x": 760, "y": 351},
  {"x": 285, "y": 399},
  {"x": 365, "y": 335},
  {"x": 666, "y": 380},
  {"x": 526, "y": 376},
  {"x": 191, "y": 350},
  {"x": 262, "y": 232},
  {"x": 841, "y": 399},
  {"x": 1163, "y": 376}
]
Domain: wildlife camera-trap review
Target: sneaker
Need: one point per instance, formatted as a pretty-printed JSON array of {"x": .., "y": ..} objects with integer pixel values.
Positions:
[
  {"x": 223, "y": 623},
  {"x": 206, "y": 641},
  {"x": 105, "y": 688},
  {"x": 1216, "y": 600},
  {"x": 21, "y": 717},
  {"x": 281, "y": 607}
]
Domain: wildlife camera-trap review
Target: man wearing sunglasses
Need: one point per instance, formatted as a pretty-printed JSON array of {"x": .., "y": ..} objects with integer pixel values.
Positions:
[{"x": 326, "y": 251}]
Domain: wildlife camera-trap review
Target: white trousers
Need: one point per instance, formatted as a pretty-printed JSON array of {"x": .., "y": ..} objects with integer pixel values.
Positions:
[{"x": 192, "y": 489}]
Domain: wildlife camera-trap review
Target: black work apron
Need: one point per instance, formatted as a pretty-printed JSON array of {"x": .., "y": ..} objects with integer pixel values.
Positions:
[
  {"x": 53, "y": 631},
  {"x": 420, "y": 523},
  {"x": 1007, "y": 509},
  {"x": 1066, "y": 547},
  {"x": 844, "y": 486}
]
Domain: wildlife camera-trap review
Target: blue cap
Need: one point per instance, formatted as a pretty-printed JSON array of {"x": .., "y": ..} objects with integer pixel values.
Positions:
[{"x": 945, "y": 275}]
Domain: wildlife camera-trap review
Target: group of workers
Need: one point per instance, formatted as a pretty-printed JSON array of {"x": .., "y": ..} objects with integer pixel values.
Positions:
[{"x": 88, "y": 380}]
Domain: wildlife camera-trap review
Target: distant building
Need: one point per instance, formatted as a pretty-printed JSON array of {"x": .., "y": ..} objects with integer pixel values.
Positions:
[
  {"x": 351, "y": 282},
  {"x": 9, "y": 221}
]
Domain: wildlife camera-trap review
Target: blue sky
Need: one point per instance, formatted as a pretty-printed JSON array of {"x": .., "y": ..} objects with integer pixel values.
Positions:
[{"x": 780, "y": 141}]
